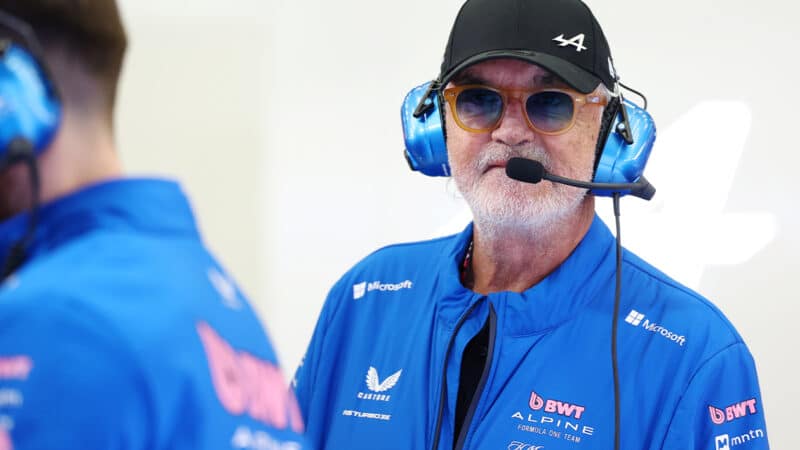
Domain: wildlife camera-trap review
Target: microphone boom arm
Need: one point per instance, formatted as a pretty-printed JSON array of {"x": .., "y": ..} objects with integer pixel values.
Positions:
[{"x": 642, "y": 188}]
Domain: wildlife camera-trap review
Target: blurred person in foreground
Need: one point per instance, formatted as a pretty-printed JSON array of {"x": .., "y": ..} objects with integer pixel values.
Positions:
[
  {"x": 118, "y": 329},
  {"x": 531, "y": 329}
]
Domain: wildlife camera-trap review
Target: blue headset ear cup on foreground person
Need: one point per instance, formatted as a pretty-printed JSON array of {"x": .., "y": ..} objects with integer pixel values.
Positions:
[
  {"x": 618, "y": 161},
  {"x": 30, "y": 110}
]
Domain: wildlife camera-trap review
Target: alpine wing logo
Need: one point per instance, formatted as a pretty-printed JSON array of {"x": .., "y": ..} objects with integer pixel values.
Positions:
[
  {"x": 374, "y": 384},
  {"x": 576, "y": 41}
]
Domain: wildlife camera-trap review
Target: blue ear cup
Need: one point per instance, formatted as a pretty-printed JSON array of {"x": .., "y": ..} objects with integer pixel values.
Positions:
[
  {"x": 620, "y": 161},
  {"x": 30, "y": 111},
  {"x": 423, "y": 131}
]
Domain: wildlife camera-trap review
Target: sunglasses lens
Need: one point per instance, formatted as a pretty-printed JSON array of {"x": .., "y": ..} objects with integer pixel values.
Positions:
[
  {"x": 479, "y": 108},
  {"x": 550, "y": 111}
]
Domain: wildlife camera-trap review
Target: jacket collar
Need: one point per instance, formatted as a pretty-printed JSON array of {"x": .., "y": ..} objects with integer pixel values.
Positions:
[
  {"x": 123, "y": 204},
  {"x": 585, "y": 276}
]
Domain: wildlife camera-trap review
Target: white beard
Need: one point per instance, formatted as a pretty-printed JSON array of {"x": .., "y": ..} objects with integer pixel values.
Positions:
[{"x": 501, "y": 205}]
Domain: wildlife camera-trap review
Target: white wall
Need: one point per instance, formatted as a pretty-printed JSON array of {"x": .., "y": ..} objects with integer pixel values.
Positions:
[{"x": 282, "y": 119}]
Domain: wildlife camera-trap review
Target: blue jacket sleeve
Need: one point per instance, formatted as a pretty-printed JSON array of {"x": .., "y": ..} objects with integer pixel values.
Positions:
[
  {"x": 721, "y": 408},
  {"x": 307, "y": 375},
  {"x": 68, "y": 383}
]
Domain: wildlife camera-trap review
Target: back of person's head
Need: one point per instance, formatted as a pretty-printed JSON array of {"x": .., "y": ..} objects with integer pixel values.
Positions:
[{"x": 83, "y": 44}]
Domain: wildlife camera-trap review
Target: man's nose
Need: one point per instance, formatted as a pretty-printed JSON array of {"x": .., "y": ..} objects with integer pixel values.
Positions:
[{"x": 513, "y": 129}]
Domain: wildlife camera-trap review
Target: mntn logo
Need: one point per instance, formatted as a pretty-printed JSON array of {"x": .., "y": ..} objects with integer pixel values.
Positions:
[{"x": 723, "y": 442}]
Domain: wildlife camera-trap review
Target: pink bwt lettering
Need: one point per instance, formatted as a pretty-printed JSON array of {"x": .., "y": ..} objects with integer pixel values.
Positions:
[
  {"x": 5, "y": 440},
  {"x": 246, "y": 384},
  {"x": 536, "y": 403},
  {"x": 732, "y": 412},
  {"x": 15, "y": 367}
]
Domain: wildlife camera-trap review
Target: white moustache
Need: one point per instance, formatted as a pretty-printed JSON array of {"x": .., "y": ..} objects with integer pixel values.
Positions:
[{"x": 495, "y": 154}]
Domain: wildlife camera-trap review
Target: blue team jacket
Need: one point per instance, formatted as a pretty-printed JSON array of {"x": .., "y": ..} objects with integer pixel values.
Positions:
[
  {"x": 382, "y": 368},
  {"x": 123, "y": 332}
]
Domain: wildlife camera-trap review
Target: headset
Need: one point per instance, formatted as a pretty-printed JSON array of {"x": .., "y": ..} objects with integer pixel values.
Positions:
[
  {"x": 627, "y": 134},
  {"x": 30, "y": 107},
  {"x": 30, "y": 115}
]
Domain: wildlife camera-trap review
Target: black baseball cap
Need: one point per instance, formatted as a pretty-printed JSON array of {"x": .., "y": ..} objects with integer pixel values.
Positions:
[{"x": 561, "y": 36}]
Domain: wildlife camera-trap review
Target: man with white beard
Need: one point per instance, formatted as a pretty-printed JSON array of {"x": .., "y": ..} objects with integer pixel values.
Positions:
[{"x": 516, "y": 333}]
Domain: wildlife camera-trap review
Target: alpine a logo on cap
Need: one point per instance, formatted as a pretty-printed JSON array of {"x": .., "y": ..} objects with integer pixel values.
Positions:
[{"x": 576, "y": 41}]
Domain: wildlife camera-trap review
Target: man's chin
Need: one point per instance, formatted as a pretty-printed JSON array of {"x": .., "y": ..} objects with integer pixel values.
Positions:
[{"x": 513, "y": 210}]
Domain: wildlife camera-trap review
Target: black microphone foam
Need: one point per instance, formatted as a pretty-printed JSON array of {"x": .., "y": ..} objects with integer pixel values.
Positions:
[{"x": 525, "y": 170}]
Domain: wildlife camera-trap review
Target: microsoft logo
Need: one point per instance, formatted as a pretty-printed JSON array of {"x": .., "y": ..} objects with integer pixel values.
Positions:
[
  {"x": 359, "y": 290},
  {"x": 634, "y": 318}
]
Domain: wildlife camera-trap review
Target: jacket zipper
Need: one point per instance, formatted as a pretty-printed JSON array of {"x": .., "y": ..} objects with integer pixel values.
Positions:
[
  {"x": 443, "y": 396},
  {"x": 473, "y": 404}
]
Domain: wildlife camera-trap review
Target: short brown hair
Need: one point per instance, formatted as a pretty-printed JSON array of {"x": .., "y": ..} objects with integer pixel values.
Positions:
[{"x": 89, "y": 31}]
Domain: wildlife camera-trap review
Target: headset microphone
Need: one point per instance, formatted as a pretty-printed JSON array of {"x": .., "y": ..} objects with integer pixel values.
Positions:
[{"x": 531, "y": 171}]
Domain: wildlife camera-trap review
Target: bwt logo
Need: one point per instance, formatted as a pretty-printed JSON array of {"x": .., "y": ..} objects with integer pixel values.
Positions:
[
  {"x": 732, "y": 412},
  {"x": 15, "y": 367},
  {"x": 536, "y": 403},
  {"x": 516, "y": 445},
  {"x": 248, "y": 385},
  {"x": 5, "y": 440},
  {"x": 360, "y": 289}
]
